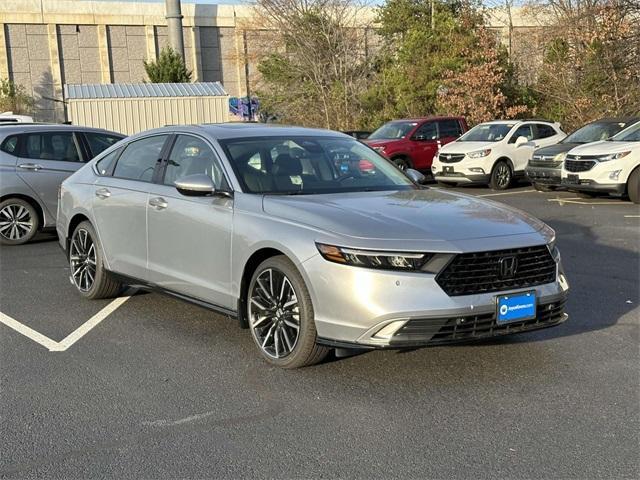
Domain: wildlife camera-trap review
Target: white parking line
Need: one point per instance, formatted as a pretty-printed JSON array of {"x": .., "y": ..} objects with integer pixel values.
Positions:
[
  {"x": 578, "y": 201},
  {"x": 505, "y": 193},
  {"x": 74, "y": 336},
  {"x": 632, "y": 216}
]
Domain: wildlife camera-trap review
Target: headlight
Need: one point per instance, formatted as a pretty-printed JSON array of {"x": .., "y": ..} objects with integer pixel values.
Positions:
[
  {"x": 613, "y": 156},
  {"x": 560, "y": 157},
  {"x": 374, "y": 259},
  {"x": 479, "y": 153}
]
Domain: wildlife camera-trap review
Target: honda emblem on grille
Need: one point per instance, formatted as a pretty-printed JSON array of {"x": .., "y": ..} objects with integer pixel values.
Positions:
[{"x": 507, "y": 267}]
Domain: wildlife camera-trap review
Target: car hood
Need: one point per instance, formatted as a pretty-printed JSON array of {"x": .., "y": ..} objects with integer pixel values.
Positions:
[
  {"x": 466, "y": 147},
  {"x": 382, "y": 142},
  {"x": 553, "y": 150},
  {"x": 604, "y": 147},
  {"x": 424, "y": 214}
]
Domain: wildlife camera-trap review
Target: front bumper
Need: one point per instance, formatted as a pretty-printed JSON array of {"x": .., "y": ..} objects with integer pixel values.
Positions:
[
  {"x": 353, "y": 305},
  {"x": 587, "y": 185},
  {"x": 459, "y": 177},
  {"x": 545, "y": 176}
]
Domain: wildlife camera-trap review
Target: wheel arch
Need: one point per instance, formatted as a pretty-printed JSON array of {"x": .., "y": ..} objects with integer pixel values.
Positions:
[
  {"x": 31, "y": 201},
  {"x": 76, "y": 220},
  {"x": 504, "y": 159}
]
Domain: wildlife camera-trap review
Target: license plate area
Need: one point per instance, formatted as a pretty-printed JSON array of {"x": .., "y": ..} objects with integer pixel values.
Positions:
[
  {"x": 573, "y": 179},
  {"x": 447, "y": 170},
  {"x": 516, "y": 307}
]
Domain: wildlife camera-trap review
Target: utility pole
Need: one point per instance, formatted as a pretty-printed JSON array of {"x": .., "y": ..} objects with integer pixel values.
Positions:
[
  {"x": 246, "y": 74},
  {"x": 174, "y": 26}
]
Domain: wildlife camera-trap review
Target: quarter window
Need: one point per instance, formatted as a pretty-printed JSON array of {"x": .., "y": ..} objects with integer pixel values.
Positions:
[
  {"x": 139, "y": 159},
  {"x": 449, "y": 128},
  {"x": 105, "y": 164},
  {"x": 190, "y": 156},
  {"x": 10, "y": 145},
  {"x": 99, "y": 142},
  {"x": 59, "y": 146}
]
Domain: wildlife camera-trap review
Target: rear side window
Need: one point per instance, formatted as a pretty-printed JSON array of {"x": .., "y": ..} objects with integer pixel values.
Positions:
[
  {"x": 544, "y": 131},
  {"x": 10, "y": 145},
  {"x": 449, "y": 128},
  {"x": 59, "y": 146},
  {"x": 99, "y": 142},
  {"x": 139, "y": 159},
  {"x": 105, "y": 164}
]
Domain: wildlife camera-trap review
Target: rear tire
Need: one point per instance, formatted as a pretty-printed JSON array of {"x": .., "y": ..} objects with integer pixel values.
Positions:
[
  {"x": 501, "y": 176},
  {"x": 19, "y": 221},
  {"x": 633, "y": 186},
  {"x": 281, "y": 317},
  {"x": 86, "y": 262}
]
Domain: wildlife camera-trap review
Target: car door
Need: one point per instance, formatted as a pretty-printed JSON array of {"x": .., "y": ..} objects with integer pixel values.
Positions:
[
  {"x": 46, "y": 159},
  {"x": 120, "y": 203},
  {"x": 190, "y": 236},
  {"x": 520, "y": 154},
  {"x": 424, "y": 145}
]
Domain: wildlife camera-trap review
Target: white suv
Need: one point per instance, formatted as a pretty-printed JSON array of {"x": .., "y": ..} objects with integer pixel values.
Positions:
[
  {"x": 494, "y": 152},
  {"x": 610, "y": 166}
]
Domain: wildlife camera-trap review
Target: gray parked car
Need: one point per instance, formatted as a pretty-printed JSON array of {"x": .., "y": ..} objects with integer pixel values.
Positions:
[
  {"x": 34, "y": 160},
  {"x": 309, "y": 238}
]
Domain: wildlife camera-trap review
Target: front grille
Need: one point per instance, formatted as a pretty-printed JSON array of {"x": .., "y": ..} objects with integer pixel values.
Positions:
[
  {"x": 455, "y": 329},
  {"x": 544, "y": 162},
  {"x": 450, "y": 157},
  {"x": 472, "y": 273},
  {"x": 578, "y": 165}
]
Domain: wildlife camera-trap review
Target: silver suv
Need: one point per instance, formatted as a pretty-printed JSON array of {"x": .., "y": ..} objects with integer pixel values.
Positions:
[
  {"x": 34, "y": 160},
  {"x": 309, "y": 238}
]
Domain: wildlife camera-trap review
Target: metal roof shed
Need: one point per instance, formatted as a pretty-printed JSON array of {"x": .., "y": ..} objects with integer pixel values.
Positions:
[{"x": 133, "y": 107}]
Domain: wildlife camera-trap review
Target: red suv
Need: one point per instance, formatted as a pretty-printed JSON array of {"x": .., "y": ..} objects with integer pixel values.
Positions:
[{"x": 412, "y": 143}]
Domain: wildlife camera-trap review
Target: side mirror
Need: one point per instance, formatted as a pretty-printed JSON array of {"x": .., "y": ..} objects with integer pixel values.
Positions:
[
  {"x": 198, "y": 185},
  {"x": 415, "y": 176},
  {"x": 521, "y": 141},
  {"x": 419, "y": 138}
]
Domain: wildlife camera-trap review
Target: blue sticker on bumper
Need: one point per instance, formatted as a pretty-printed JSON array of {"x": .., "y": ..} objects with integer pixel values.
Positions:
[{"x": 516, "y": 307}]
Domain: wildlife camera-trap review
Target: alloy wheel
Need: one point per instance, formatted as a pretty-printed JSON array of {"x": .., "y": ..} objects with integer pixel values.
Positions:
[
  {"x": 82, "y": 258},
  {"x": 503, "y": 175},
  {"x": 16, "y": 222},
  {"x": 274, "y": 313}
]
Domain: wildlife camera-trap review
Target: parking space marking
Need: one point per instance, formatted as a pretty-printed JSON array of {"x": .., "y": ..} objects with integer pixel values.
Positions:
[
  {"x": 632, "y": 216},
  {"x": 74, "y": 336},
  {"x": 579, "y": 201},
  {"x": 505, "y": 193}
]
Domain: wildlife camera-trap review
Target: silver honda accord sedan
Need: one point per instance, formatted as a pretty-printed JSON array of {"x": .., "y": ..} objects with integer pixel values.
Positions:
[{"x": 309, "y": 238}]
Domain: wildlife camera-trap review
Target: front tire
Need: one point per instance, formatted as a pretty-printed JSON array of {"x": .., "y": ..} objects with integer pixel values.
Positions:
[
  {"x": 87, "y": 265},
  {"x": 402, "y": 163},
  {"x": 501, "y": 176},
  {"x": 19, "y": 221},
  {"x": 281, "y": 317},
  {"x": 633, "y": 186}
]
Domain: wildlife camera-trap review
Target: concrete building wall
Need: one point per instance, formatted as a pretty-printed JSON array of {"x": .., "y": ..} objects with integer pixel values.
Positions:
[{"x": 47, "y": 43}]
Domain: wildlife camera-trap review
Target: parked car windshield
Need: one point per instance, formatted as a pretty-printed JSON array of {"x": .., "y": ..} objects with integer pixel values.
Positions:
[
  {"x": 487, "y": 132},
  {"x": 392, "y": 130},
  {"x": 595, "y": 132},
  {"x": 310, "y": 165},
  {"x": 631, "y": 134}
]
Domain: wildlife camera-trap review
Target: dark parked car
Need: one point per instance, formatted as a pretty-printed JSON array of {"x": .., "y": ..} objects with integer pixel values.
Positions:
[
  {"x": 34, "y": 160},
  {"x": 545, "y": 165},
  {"x": 412, "y": 143},
  {"x": 357, "y": 134}
]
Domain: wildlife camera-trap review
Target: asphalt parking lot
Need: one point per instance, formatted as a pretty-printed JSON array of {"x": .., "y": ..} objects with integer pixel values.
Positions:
[{"x": 157, "y": 388}]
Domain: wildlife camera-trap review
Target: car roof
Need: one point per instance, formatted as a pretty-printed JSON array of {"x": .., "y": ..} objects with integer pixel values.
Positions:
[
  {"x": 422, "y": 119},
  {"x": 34, "y": 127},
  {"x": 224, "y": 131},
  {"x": 626, "y": 120}
]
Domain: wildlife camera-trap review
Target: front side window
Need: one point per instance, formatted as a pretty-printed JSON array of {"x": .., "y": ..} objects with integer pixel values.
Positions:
[
  {"x": 310, "y": 165},
  {"x": 427, "y": 131},
  {"x": 190, "y": 156},
  {"x": 99, "y": 142},
  {"x": 139, "y": 159},
  {"x": 449, "y": 128},
  {"x": 487, "y": 132},
  {"x": 393, "y": 130},
  {"x": 59, "y": 146},
  {"x": 522, "y": 131}
]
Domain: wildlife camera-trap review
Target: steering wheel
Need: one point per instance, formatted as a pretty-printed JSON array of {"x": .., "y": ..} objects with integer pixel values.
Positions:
[{"x": 347, "y": 175}]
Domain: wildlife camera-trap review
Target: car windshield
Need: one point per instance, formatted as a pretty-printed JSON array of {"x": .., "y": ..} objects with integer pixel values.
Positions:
[
  {"x": 487, "y": 132},
  {"x": 595, "y": 132},
  {"x": 392, "y": 130},
  {"x": 631, "y": 134},
  {"x": 310, "y": 165}
]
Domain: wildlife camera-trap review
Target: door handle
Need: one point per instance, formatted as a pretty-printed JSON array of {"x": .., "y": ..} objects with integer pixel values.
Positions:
[
  {"x": 30, "y": 166},
  {"x": 103, "y": 193},
  {"x": 159, "y": 203}
]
